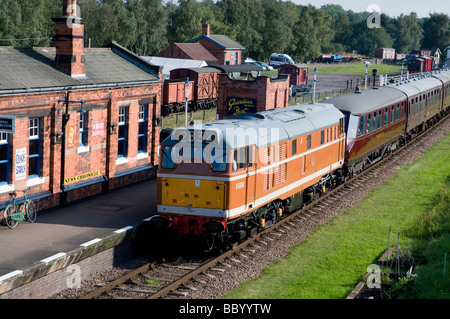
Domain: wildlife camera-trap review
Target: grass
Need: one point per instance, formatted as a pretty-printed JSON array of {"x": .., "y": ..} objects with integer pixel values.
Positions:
[
  {"x": 359, "y": 69},
  {"x": 332, "y": 260},
  {"x": 177, "y": 120}
]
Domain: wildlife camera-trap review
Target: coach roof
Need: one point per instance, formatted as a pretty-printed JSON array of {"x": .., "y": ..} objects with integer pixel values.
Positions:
[{"x": 368, "y": 100}]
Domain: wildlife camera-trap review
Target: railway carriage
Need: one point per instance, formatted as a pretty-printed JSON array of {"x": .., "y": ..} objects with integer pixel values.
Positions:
[
  {"x": 229, "y": 179},
  {"x": 424, "y": 102},
  {"x": 444, "y": 77},
  {"x": 379, "y": 120},
  {"x": 374, "y": 120}
]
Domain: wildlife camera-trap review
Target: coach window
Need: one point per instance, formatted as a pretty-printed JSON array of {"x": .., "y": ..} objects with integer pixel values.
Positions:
[
  {"x": 362, "y": 123},
  {"x": 386, "y": 116},
  {"x": 379, "y": 119},
  {"x": 369, "y": 124},
  {"x": 392, "y": 113},
  {"x": 374, "y": 121},
  {"x": 34, "y": 157},
  {"x": 397, "y": 115},
  {"x": 4, "y": 158}
]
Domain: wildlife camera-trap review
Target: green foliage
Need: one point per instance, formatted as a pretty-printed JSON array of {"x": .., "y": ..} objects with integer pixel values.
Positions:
[
  {"x": 437, "y": 219},
  {"x": 262, "y": 26}
]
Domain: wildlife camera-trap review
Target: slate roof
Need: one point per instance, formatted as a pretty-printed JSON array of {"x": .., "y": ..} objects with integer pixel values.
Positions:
[
  {"x": 222, "y": 41},
  {"x": 23, "y": 69},
  {"x": 196, "y": 51}
]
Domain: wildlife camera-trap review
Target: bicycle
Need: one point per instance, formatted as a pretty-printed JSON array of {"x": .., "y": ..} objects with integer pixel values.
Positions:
[{"x": 14, "y": 213}]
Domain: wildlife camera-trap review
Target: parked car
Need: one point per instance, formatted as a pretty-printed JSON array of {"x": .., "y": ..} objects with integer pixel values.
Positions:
[
  {"x": 263, "y": 65},
  {"x": 277, "y": 59}
]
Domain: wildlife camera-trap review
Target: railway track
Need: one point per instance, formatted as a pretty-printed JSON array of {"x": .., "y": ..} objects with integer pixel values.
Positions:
[{"x": 179, "y": 278}]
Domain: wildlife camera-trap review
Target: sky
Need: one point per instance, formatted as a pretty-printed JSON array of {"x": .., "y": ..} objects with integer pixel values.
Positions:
[{"x": 392, "y": 8}]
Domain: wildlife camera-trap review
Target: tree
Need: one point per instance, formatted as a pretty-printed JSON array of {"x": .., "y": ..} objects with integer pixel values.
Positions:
[
  {"x": 313, "y": 33},
  {"x": 247, "y": 19},
  {"x": 186, "y": 21},
  {"x": 436, "y": 29},
  {"x": 408, "y": 34},
  {"x": 366, "y": 39},
  {"x": 149, "y": 38}
]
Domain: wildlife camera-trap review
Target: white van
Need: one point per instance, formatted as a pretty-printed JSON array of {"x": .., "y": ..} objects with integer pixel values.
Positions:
[{"x": 277, "y": 59}]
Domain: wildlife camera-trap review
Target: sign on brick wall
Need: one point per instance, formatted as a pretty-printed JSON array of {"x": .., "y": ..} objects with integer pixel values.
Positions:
[
  {"x": 7, "y": 124},
  {"x": 239, "y": 105},
  {"x": 71, "y": 129},
  {"x": 21, "y": 163},
  {"x": 98, "y": 128}
]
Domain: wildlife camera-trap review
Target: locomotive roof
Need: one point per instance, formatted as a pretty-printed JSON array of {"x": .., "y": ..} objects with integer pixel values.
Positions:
[
  {"x": 367, "y": 100},
  {"x": 270, "y": 126}
]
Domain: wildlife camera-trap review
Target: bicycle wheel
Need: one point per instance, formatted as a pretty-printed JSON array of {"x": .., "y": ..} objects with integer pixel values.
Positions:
[
  {"x": 30, "y": 209},
  {"x": 10, "y": 210}
]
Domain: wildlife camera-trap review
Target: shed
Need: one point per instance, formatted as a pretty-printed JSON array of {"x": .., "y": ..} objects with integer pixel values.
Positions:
[{"x": 298, "y": 73}]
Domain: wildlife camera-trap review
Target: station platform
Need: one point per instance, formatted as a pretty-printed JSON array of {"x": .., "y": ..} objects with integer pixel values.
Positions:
[{"x": 61, "y": 230}]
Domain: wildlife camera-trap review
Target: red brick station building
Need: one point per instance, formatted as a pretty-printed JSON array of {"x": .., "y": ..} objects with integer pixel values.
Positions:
[{"x": 75, "y": 121}]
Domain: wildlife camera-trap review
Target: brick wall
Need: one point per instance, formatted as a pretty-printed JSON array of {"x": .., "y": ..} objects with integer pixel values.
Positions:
[
  {"x": 89, "y": 169},
  {"x": 269, "y": 93}
]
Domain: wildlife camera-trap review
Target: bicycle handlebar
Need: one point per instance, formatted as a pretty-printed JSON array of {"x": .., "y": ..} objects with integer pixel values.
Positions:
[{"x": 14, "y": 194}]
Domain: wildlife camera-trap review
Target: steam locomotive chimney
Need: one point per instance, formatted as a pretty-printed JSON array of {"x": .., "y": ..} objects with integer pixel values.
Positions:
[{"x": 69, "y": 40}]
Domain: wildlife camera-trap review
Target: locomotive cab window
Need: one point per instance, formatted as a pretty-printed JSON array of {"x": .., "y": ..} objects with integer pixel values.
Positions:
[
  {"x": 239, "y": 159},
  {"x": 218, "y": 160}
]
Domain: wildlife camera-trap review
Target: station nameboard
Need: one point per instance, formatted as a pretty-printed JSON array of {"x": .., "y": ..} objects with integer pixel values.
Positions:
[{"x": 8, "y": 124}]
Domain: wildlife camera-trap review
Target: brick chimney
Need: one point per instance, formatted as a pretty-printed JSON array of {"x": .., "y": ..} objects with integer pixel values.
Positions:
[
  {"x": 205, "y": 29},
  {"x": 69, "y": 40}
]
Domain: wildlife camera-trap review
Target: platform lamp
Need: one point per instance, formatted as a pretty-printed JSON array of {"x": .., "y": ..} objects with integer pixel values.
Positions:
[
  {"x": 314, "y": 90},
  {"x": 65, "y": 119},
  {"x": 365, "y": 81},
  {"x": 186, "y": 91}
]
